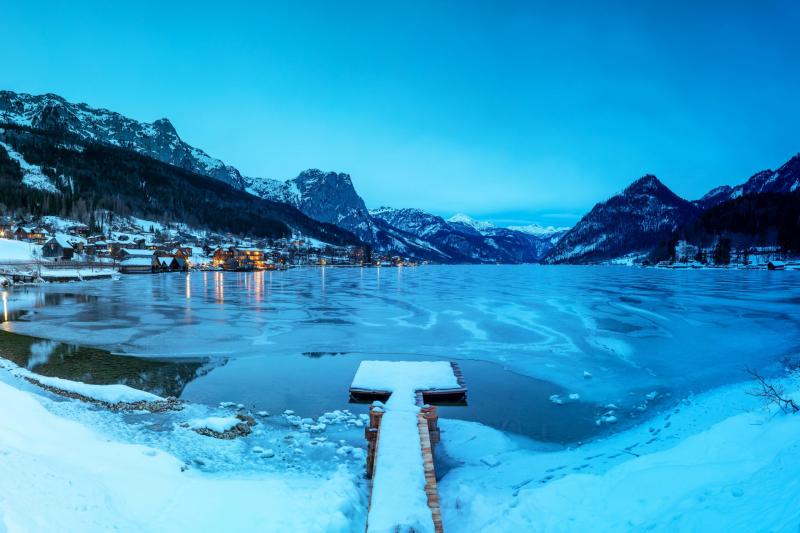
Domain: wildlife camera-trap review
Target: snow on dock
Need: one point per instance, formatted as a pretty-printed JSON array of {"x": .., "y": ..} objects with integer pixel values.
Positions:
[
  {"x": 437, "y": 380},
  {"x": 391, "y": 375},
  {"x": 401, "y": 434}
]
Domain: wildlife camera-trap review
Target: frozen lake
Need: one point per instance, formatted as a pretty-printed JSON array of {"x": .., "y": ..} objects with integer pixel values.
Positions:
[{"x": 292, "y": 340}]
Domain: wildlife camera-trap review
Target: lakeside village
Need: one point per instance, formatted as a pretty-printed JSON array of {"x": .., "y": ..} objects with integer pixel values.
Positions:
[
  {"x": 687, "y": 255},
  {"x": 57, "y": 249}
]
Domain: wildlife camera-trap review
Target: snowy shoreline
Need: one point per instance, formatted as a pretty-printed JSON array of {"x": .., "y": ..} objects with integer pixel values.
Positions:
[{"x": 716, "y": 460}]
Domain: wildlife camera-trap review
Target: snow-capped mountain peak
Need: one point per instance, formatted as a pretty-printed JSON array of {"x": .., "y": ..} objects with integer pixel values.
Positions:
[
  {"x": 478, "y": 225},
  {"x": 539, "y": 230},
  {"x": 157, "y": 139}
]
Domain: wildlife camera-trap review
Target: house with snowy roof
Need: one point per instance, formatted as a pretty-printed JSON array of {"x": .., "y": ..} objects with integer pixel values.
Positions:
[
  {"x": 30, "y": 234},
  {"x": 129, "y": 253},
  {"x": 140, "y": 265},
  {"x": 58, "y": 248}
]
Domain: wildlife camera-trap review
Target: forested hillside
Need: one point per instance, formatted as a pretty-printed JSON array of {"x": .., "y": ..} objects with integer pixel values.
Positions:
[{"x": 84, "y": 177}]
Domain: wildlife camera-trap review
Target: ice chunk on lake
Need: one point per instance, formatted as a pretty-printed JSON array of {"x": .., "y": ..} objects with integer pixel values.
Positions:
[{"x": 218, "y": 424}]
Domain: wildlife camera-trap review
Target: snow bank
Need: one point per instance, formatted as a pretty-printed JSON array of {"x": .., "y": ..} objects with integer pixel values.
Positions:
[
  {"x": 392, "y": 375},
  {"x": 703, "y": 466},
  {"x": 102, "y": 393},
  {"x": 110, "y": 394},
  {"x": 57, "y": 475}
]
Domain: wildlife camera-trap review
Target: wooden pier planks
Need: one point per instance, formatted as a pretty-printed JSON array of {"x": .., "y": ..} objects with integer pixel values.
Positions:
[
  {"x": 431, "y": 488},
  {"x": 428, "y": 429}
]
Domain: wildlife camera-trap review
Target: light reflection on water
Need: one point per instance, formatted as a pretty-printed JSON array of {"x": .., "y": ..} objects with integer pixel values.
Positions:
[{"x": 634, "y": 330}]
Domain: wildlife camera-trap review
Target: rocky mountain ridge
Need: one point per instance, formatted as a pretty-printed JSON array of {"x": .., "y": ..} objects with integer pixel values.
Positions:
[
  {"x": 784, "y": 180},
  {"x": 628, "y": 224},
  {"x": 158, "y": 139},
  {"x": 328, "y": 197}
]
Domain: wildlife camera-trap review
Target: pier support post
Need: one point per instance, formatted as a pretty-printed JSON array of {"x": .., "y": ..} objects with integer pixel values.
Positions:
[{"x": 371, "y": 434}]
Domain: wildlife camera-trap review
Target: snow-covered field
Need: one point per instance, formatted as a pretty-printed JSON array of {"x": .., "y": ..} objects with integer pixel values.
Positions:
[{"x": 11, "y": 250}]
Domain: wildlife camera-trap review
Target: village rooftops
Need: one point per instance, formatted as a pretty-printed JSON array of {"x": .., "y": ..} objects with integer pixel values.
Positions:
[
  {"x": 62, "y": 241},
  {"x": 135, "y": 252},
  {"x": 137, "y": 261}
]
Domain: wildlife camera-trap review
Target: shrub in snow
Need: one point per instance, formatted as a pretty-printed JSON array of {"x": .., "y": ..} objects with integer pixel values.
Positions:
[{"x": 773, "y": 394}]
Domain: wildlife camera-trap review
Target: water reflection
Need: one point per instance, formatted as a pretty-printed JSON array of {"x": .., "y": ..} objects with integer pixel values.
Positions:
[
  {"x": 219, "y": 287},
  {"x": 164, "y": 377}
]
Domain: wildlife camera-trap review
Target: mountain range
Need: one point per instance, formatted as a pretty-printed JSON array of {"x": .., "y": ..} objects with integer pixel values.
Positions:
[
  {"x": 327, "y": 197},
  {"x": 632, "y": 224},
  {"x": 629, "y": 225}
]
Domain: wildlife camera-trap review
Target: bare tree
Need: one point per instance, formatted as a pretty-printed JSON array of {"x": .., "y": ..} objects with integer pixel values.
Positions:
[{"x": 772, "y": 394}]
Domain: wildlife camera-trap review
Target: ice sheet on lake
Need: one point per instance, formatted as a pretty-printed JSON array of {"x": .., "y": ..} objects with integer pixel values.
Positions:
[{"x": 633, "y": 330}]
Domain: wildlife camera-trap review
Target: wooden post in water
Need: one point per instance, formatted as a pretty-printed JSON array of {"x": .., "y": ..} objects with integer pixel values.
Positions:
[{"x": 371, "y": 434}]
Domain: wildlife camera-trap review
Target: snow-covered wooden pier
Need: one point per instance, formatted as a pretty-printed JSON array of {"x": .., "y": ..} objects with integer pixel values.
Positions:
[{"x": 401, "y": 436}]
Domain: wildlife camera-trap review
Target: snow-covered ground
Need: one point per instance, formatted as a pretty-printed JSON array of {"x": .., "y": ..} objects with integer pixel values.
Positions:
[
  {"x": 59, "y": 475},
  {"x": 719, "y": 461}
]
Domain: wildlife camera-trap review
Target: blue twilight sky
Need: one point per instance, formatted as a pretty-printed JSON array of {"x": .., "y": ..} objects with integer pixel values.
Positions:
[{"x": 511, "y": 111}]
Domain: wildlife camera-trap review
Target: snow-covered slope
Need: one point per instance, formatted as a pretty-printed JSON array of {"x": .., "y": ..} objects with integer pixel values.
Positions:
[
  {"x": 626, "y": 225},
  {"x": 11, "y": 250},
  {"x": 158, "y": 139},
  {"x": 32, "y": 175}
]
